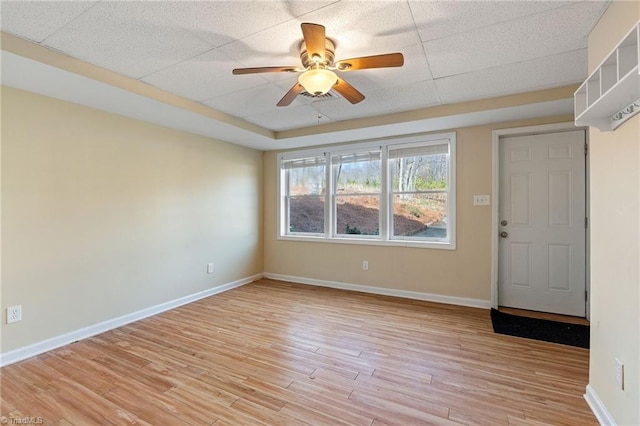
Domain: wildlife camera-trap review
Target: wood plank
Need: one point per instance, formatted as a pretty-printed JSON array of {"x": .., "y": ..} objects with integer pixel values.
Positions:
[
  {"x": 272, "y": 353},
  {"x": 81, "y": 406}
]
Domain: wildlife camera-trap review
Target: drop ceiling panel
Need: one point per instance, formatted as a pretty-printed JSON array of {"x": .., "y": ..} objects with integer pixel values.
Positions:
[
  {"x": 542, "y": 34},
  {"x": 277, "y": 46},
  {"x": 438, "y": 19},
  {"x": 126, "y": 37},
  {"x": 362, "y": 28},
  {"x": 396, "y": 99},
  {"x": 221, "y": 22},
  {"x": 550, "y": 71},
  {"x": 204, "y": 77},
  {"x": 37, "y": 20},
  {"x": 255, "y": 101}
]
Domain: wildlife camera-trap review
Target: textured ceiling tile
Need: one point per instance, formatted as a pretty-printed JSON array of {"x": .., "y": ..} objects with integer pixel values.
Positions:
[
  {"x": 126, "y": 37},
  {"x": 254, "y": 101},
  {"x": 203, "y": 77},
  {"x": 559, "y": 30},
  {"x": 383, "y": 101},
  {"x": 415, "y": 69},
  {"x": 287, "y": 118},
  {"x": 278, "y": 46},
  {"x": 540, "y": 73},
  {"x": 220, "y": 22},
  {"x": 444, "y": 18},
  {"x": 362, "y": 28},
  {"x": 37, "y": 20}
]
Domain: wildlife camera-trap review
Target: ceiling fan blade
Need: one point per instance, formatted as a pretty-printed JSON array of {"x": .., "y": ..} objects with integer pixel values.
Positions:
[
  {"x": 240, "y": 71},
  {"x": 348, "y": 91},
  {"x": 376, "y": 61},
  {"x": 291, "y": 95},
  {"x": 315, "y": 40}
]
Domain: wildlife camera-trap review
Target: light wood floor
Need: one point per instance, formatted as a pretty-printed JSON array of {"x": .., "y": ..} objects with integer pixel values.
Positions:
[{"x": 277, "y": 353}]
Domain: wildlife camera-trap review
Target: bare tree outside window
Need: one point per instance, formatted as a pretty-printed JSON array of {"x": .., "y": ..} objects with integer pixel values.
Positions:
[{"x": 420, "y": 176}]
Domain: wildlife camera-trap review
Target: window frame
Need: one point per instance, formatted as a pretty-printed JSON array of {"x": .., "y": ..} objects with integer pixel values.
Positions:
[
  {"x": 334, "y": 195},
  {"x": 284, "y": 219},
  {"x": 392, "y": 192},
  {"x": 386, "y": 193}
]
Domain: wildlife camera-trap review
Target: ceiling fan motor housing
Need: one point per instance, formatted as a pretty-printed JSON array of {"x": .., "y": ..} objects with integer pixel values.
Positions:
[{"x": 329, "y": 55}]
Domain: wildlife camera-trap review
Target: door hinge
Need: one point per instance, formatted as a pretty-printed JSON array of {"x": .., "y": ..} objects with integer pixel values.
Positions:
[
  {"x": 586, "y": 296},
  {"x": 586, "y": 223},
  {"x": 586, "y": 149}
]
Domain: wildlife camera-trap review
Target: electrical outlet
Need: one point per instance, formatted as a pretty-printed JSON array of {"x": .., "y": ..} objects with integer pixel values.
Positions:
[
  {"x": 365, "y": 265},
  {"x": 620, "y": 374},
  {"x": 209, "y": 268},
  {"x": 14, "y": 314}
]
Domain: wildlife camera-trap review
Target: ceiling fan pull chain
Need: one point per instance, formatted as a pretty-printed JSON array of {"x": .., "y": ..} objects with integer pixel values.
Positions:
[{"x": 317, "y": 106}]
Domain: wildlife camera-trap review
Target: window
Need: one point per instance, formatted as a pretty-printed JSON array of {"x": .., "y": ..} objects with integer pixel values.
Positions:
[
  {"x": 357, "y": 193},
  {"x": 304, "y": 196},
  {"x": 419, "y": 178},
  {"x": 396, "y": 192}
]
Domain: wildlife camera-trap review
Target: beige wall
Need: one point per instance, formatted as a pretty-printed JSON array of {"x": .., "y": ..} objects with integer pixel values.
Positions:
[
  {"x": 615, "y": 240},
  {"x": 104, "y": 215},
  {"x": 465, "y": 272}
]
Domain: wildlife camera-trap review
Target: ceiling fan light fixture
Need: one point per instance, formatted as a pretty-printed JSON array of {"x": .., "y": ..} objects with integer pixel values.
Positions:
[
  {"x": 317, "y": 81},
  {"x": 318, "y": 61}
]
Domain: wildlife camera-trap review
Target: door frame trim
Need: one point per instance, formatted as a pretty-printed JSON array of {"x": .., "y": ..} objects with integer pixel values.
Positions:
[{"x": 495, "y": 194}]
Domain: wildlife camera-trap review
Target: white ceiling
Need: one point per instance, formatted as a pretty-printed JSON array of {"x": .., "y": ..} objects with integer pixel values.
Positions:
[{"x": 454, "y": 51}]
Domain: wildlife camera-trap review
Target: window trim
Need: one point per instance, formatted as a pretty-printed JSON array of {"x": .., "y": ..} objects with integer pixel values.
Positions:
[
  {"x": 334, "y": 195},
  {"x": 385, "y": 238}
]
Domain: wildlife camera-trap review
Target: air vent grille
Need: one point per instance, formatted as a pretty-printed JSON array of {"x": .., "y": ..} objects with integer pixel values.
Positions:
[{"x": 327, "y": 95}]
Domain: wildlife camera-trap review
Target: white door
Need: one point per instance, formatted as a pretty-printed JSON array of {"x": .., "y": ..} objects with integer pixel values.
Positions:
[{"x": 542, "y": 223}]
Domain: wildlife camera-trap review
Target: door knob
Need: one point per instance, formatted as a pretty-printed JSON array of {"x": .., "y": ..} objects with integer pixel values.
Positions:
[{"x": 503, "y": 234}]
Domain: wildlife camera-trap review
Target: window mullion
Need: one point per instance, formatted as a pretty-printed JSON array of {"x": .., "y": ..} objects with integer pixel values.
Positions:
[
  {"x": 328, "y": 197},
  {"x": 386, "y": 215},
  {"x": 451, "y": 189},
  {"x": 287, "y": 223}
]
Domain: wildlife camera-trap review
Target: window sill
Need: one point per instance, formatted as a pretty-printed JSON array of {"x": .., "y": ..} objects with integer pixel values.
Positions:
[{"x": 371, "y": 242}]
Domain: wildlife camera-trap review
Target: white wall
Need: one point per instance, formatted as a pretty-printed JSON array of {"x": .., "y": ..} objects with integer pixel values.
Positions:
[{"x": 615, "y": 240}]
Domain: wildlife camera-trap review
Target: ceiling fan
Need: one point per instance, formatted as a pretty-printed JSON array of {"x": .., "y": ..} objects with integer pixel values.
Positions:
[{"x": 318, "y": 78}]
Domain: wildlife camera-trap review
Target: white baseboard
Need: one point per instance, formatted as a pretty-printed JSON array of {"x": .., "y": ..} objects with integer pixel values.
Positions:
[
  {"x": 430, "y": 297},
  {"x": 29, "y": 351},
  {"x": 598, "y": 408}
]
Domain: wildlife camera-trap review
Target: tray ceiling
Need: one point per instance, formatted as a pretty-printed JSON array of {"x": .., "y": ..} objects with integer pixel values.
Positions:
[{"x": 454, "y": 51}]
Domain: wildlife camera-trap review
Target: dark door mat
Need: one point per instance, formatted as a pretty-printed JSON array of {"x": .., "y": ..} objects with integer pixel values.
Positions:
[{"x": 540, "y": 329}]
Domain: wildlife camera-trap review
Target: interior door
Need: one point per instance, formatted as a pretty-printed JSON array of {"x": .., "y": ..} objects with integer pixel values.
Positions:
[{"x": 541, "y": 263}]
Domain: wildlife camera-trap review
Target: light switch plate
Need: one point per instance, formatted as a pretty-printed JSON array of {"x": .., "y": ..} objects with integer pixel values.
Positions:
[{"x": 481, "y": 200}]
